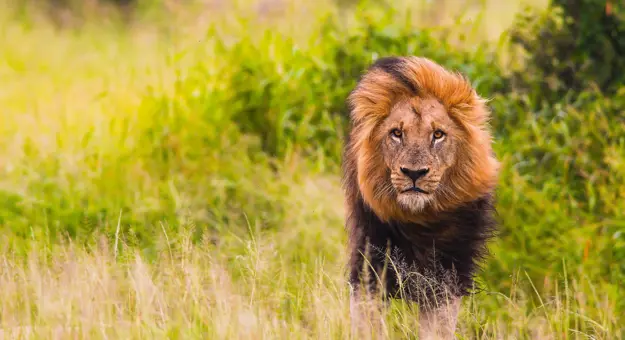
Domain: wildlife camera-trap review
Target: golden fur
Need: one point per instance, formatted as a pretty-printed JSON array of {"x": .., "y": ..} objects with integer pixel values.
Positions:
[{"x": 431, "y": 92}]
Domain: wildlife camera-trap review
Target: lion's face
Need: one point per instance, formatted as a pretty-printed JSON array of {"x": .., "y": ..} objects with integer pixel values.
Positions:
[{"x": 418, "y": 142}]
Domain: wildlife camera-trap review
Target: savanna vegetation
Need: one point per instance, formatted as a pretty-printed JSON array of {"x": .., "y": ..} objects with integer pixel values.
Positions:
[{"x": 171, "y": 169}]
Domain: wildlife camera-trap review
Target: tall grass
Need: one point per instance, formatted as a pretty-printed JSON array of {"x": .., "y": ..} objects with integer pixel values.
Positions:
[
  {"x": 177, "y": 176},
  {"x": 255, "y": 288}
]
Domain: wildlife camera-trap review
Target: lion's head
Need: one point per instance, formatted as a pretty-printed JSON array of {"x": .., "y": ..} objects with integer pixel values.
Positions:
[{"x": 419, "y": 141}]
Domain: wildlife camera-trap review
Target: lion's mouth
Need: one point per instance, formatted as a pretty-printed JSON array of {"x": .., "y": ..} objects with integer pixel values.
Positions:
[{"x": 414, "y": 189}]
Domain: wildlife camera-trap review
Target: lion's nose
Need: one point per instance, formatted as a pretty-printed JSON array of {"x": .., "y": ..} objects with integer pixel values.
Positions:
[{"x": 415, "y": 174}]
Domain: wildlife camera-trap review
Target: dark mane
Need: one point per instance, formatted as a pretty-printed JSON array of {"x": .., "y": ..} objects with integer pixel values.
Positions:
[{"x": 432, "y": 259}]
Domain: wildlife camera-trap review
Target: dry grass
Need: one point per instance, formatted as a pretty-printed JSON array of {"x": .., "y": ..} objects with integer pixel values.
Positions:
[
  {"x": 198, "y": 291},
  {"x": 236, "y": 289}
]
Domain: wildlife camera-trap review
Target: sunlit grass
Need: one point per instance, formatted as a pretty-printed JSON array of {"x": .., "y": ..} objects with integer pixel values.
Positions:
[{"x": 243, "y": 290}]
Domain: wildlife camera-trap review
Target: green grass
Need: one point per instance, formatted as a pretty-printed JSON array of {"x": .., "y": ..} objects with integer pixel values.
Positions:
[{"x": 182, "y": 180}]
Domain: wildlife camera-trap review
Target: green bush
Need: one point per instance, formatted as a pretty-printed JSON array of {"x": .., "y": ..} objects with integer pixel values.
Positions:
[
  {"x": 561, "y": 196},
  {"x": 571, "y": 47},
  {"x": 561, "y": 128}
]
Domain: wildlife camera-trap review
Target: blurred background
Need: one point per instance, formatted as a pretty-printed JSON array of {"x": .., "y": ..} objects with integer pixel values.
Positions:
[{"x": 171, "y": 169}]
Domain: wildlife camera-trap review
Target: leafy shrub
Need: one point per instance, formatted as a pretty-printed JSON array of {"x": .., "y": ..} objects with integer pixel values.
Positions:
[
  {"x": 561, "y": 193},
  {"x": 572, "y": 46},
  {"x": 560, "y": 129}
]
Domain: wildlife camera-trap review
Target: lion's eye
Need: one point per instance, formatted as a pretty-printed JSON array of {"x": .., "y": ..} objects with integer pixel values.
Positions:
[
  {"x": 438, "y": 134},
  {"x": 396, "y": 133}
]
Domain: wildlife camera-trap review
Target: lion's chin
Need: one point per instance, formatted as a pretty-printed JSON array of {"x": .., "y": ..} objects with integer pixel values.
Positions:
[{"x": 414, "y": 202}]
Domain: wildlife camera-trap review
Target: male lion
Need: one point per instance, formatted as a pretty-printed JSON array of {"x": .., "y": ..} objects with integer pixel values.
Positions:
[{"x": 419, "y": 175}]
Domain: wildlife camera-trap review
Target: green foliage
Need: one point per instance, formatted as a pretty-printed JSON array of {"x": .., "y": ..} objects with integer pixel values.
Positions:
[
  {"x": 572, "y": 46},
  {"x": 295, "y": 98},
  {"x": 561, "y": 195},
  {"x": 562, "y": 127}
]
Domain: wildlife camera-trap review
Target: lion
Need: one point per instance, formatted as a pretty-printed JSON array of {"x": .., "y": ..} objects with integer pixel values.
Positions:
[{"x": 419, "y": 176}]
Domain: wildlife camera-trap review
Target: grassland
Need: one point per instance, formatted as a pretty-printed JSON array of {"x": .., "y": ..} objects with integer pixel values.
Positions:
[{"x": 178, "y": 176}]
